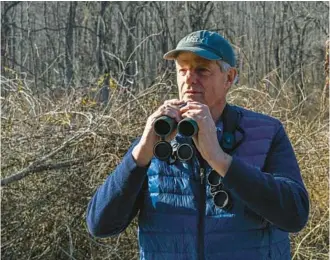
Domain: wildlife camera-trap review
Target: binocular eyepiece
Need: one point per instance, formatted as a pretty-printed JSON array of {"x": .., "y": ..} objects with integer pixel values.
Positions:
[
  {"x": 163, "y": 127},
  {"x": 164, "y": 151},
  {"x": 221, "y": 197},
  {"x": 184, "y": 152}
]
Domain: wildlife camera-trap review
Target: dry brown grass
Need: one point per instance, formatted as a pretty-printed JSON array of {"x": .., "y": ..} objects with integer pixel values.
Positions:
[{"x": 65, "y": 149}]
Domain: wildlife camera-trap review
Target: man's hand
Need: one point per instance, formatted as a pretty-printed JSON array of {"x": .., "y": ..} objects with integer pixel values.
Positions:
[
  {"x": 143, "y": 151},
  {"x": 206, "y": 140}
]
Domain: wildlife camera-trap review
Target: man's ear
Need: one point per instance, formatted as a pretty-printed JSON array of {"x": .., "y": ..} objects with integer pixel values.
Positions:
[{"x": 231, "y": 75}]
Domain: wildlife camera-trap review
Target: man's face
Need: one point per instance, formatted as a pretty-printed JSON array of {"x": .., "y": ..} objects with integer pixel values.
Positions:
[{"x": 200, "y": 80}]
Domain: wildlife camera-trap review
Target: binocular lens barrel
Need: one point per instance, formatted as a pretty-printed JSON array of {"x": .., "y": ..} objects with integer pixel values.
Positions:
[
  {"x": 221, "y": 199},
  {"x": 163, "y": 150},
  {"x": 164, "y": 125},
  {"x": 185, "y": 152},
  {"x": 188, "y": 127},
  {"x": 214, "y": 179}
]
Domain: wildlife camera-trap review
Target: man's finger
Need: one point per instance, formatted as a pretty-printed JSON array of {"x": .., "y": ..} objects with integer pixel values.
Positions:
[{"x": 173, "y": 102}]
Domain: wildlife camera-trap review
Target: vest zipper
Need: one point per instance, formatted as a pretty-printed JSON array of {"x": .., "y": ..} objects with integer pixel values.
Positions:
[
  {"x": 202, "y": 173},
  {"x": 201, "y": 215}
]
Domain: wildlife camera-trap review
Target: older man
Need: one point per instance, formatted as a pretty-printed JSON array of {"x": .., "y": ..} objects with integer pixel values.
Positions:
[{"x": 236, "y": 198}]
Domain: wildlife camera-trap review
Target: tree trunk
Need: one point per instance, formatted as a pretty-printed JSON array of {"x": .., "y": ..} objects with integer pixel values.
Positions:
[{"x": 69, "y": 56}]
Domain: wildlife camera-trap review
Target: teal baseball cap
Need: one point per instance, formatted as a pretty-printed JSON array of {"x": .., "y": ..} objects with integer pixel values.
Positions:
[{"x": 206, "y": 44}]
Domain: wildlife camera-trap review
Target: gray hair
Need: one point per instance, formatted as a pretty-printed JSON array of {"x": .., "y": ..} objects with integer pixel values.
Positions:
[{"x": 224, "y": 67}]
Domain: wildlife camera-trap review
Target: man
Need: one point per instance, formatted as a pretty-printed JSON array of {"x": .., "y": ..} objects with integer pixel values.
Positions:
[{"x": 180, "y": 216}]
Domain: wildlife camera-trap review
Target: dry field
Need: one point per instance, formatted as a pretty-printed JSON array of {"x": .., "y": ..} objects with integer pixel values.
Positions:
[{"x": 55, "y": 152}]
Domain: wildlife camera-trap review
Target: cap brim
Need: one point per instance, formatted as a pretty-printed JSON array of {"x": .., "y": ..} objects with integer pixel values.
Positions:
[{"x": 171, "y": 55}]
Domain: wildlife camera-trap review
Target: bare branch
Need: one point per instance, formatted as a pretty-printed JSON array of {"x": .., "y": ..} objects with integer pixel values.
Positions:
[{"x": 36, "y": 164}]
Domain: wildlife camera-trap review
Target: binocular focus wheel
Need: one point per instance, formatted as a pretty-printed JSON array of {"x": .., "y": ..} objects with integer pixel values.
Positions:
[
  {"x": 163, "y": 150},
  {"x": 221, "y": 199},
  {"x": 184, "y": 152}
]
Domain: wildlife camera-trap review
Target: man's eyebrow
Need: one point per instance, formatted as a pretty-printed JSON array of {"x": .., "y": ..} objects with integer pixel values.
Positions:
[
  {"x": 197, "y": 63},
  {"x": 183, "y": 61},
  {"x": 204, "y": 64}
]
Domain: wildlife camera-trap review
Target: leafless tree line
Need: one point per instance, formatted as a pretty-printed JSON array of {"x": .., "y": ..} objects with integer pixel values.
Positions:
[{"x": 60, "y": 44}]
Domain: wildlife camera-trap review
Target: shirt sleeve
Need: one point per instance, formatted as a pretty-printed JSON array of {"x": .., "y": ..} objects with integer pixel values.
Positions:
[
  {"x": 117, "y": 201},
  {"x": 277, "y": 192}
]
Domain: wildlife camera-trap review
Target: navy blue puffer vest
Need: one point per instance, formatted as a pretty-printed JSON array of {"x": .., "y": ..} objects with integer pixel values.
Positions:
[{"x": 180, "y": 221}]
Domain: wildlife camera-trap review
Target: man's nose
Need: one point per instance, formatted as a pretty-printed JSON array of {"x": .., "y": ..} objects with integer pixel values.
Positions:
[{"x": 191, "y": 77}]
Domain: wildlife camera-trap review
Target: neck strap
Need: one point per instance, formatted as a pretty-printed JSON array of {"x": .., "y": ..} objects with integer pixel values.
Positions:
[{"x": 231, "y": 118}]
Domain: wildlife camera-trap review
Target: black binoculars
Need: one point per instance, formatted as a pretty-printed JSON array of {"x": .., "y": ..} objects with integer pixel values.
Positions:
[
  {"x": 221, "y": 197},
  {"x": 164, "y": 126}
]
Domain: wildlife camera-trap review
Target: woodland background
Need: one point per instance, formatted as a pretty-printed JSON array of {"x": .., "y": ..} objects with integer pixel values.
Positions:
[{"x": 79, "y": 79}]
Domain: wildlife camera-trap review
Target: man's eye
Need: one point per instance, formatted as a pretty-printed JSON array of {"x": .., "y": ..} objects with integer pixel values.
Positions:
[
  {"x": 182, "y": 71},
  {"x": 203, "y": 71}
]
